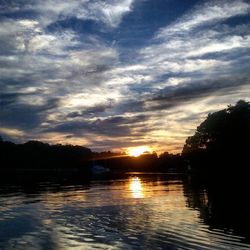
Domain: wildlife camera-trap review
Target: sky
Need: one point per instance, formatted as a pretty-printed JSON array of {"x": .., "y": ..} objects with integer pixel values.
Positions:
[{"x": 116, "y": 74}]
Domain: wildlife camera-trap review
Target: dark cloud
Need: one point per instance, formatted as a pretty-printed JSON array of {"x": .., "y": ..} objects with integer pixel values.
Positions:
[
  {"x": 114, "y": 126},
  {"x": 8, "y": 98},
  {"x": 121, "y": 68},
  {"x": 130, "y": 106},
  {"x": 98, "y": 127},
  {"x": 93, "y": 110},
  {"x": 176, "y": 95},
  {"x": 172, "y": 96},
  {"x": 25, "y": 116}
]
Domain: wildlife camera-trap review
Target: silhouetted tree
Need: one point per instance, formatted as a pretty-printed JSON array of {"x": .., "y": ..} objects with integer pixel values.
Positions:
[
  {"x": 224, "y": 136},
  {"x": 171, "y": 162},
  {"x": 38, "y": 155}
]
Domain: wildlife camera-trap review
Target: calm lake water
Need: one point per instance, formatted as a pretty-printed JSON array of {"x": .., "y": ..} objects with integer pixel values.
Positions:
[{"x": 135, "y": 212}]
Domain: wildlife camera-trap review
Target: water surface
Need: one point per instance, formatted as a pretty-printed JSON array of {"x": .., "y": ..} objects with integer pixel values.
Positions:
[{"x": 135, "y": 212}]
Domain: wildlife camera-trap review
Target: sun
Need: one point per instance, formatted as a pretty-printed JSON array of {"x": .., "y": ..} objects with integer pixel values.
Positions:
[{"x": 137, "y": 151}]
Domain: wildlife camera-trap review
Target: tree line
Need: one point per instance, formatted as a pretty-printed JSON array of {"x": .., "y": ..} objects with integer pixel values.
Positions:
[{"x": 220, "y": 143}]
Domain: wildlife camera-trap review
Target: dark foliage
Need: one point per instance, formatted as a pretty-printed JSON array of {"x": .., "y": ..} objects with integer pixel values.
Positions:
[
  {"x": 219, "y": 144},
  {"x": 37, "y": 155},
  {"x": 171, "y": 162},
  {"x": 222, "y": 139}
]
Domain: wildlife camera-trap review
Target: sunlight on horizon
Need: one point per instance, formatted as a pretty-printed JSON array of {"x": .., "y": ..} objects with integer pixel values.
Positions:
[{"x": 137, "y": 151}]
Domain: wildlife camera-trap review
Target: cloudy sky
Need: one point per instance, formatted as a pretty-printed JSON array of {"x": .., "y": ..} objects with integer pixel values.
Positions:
[{"x": 114, "y": 74}]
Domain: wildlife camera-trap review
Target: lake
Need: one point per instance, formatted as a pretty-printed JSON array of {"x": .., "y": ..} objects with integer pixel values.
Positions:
[{"x": 136, "y": 211}]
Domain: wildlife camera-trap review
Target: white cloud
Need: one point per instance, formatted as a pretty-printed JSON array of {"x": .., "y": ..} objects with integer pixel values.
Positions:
[
  {"x": 11, "y": 132},
  {"x": 24, "y": 36},
  {"x": 224, "y": 44},
  {"x": 109, "y": 12},
  {"x": 210, "y": 12},
  {"x": 179, "y": 48},
  {"x": 87, "y": 72},
  {"x": 93, "y": 56}
]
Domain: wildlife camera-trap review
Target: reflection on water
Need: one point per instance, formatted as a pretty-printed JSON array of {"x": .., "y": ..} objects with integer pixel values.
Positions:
[
  {"x": 136, "y": 187},
  {"x": 136, "y": 212}
]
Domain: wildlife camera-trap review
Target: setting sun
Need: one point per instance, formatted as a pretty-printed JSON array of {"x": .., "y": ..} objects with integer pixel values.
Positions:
[{"x": 138, "y": 151}]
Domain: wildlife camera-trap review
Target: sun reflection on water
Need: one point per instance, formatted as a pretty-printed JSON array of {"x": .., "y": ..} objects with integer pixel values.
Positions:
[
  {"x": 107, "y": 215},
  {"x": 136, "y": 187}
]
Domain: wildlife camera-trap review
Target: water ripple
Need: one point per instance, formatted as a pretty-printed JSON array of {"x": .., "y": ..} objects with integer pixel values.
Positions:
[{"x": 132, "y": 213}]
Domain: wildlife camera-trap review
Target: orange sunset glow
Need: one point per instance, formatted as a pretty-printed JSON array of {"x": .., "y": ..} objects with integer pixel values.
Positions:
[
  {"x": 137, "y": 151},
  {"x": 124, "y": 124}
]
